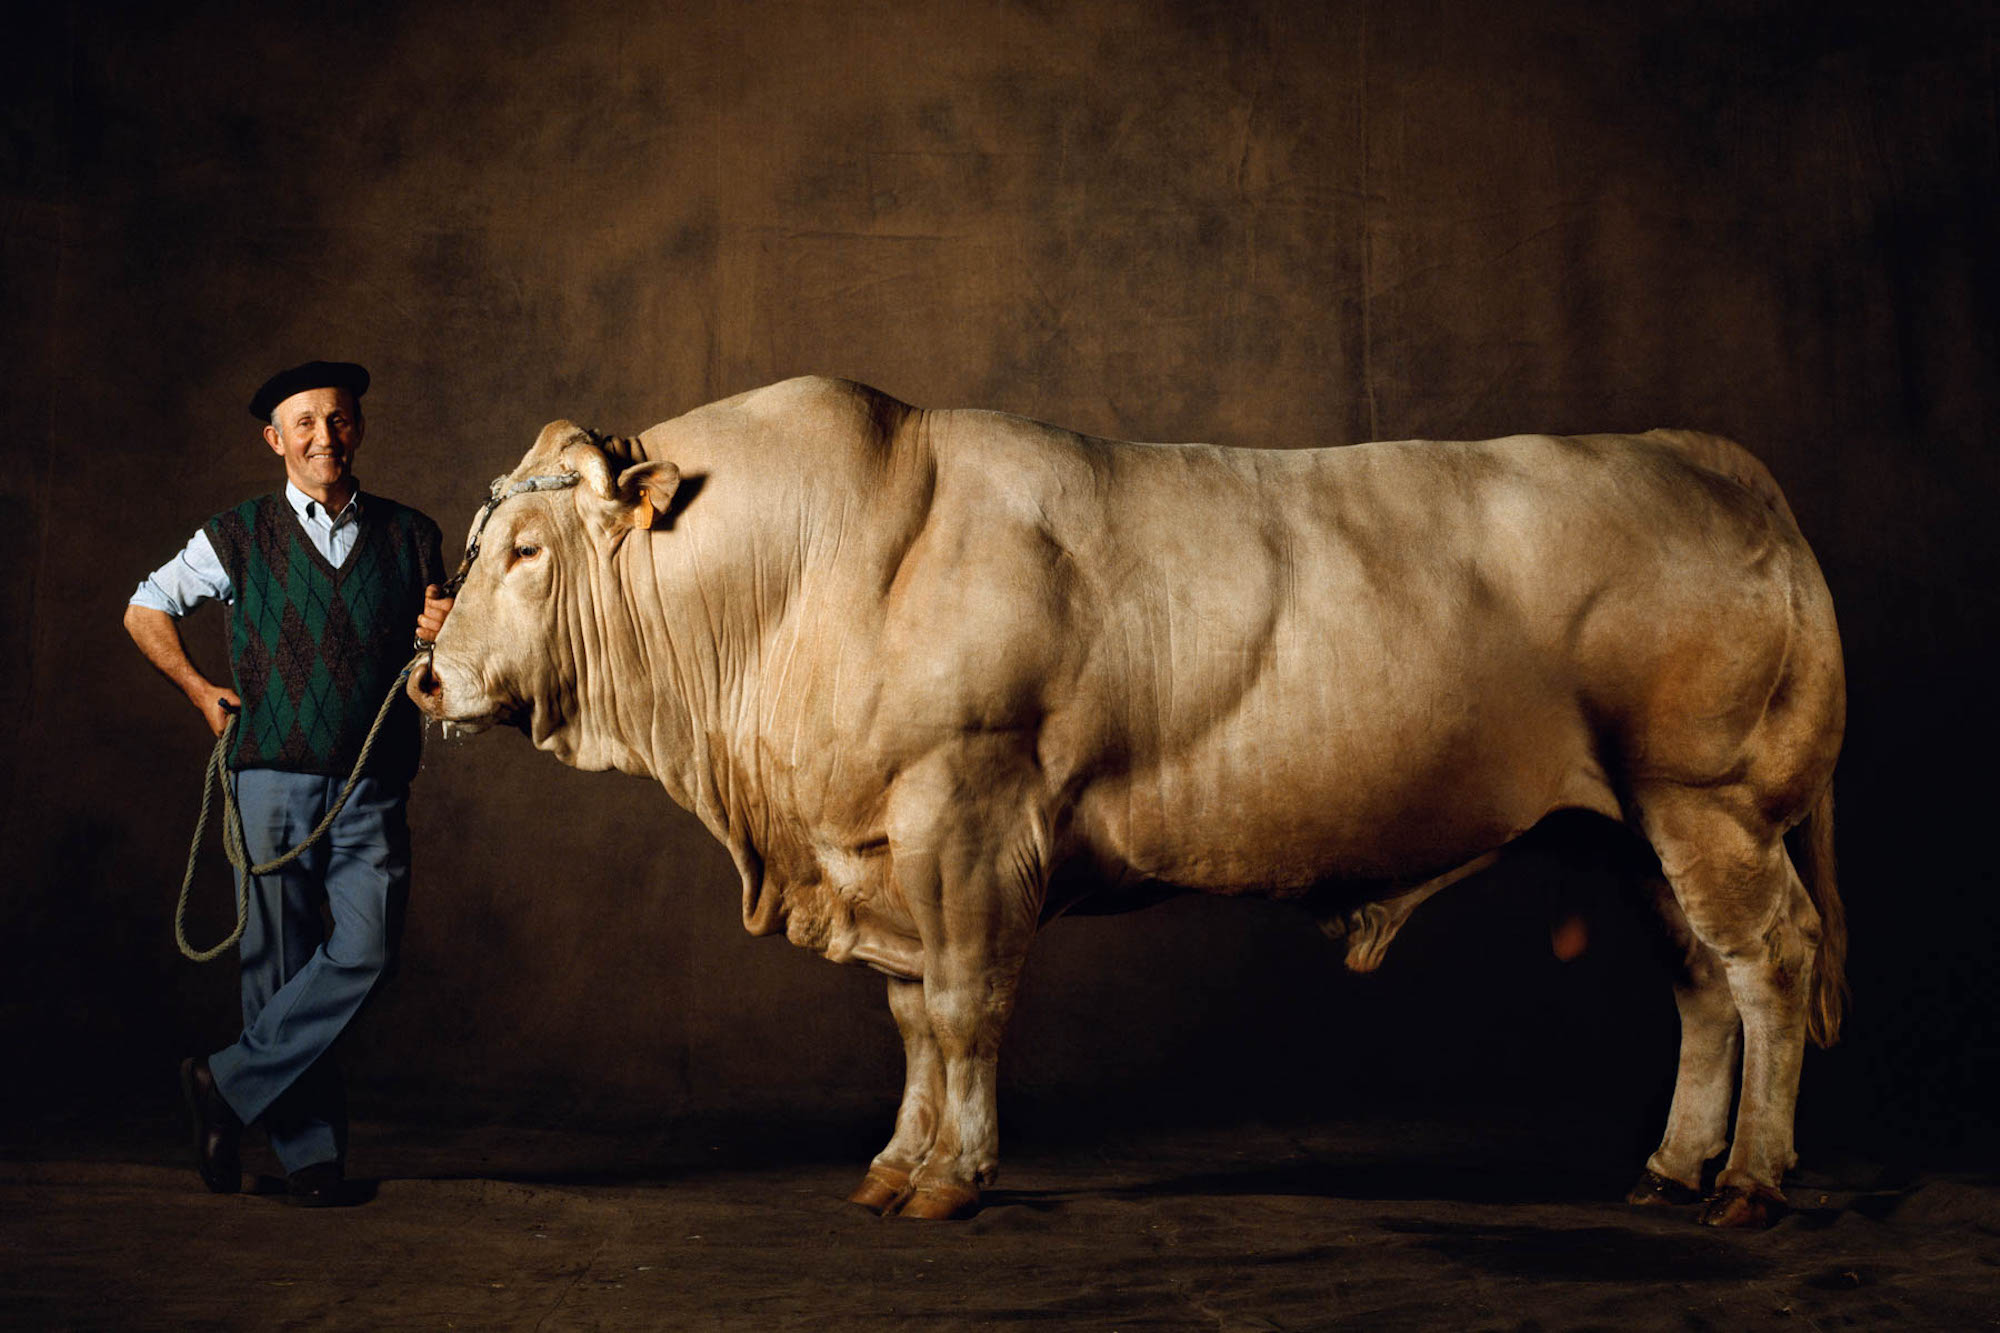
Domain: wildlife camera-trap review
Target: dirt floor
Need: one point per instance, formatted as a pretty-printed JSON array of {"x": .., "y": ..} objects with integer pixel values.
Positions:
[{"x": 741, "y": 1225}]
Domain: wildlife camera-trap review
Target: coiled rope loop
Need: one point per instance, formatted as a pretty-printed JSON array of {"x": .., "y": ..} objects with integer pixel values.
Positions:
[{"x": 216, "y": 774}]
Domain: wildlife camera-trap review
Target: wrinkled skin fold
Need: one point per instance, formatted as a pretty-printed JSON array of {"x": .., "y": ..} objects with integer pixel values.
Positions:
[{"x": 937, "y": 677}]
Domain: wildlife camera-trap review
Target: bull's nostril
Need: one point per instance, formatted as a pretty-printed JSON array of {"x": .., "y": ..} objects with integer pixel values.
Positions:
[{"x": 424, "y": 684}]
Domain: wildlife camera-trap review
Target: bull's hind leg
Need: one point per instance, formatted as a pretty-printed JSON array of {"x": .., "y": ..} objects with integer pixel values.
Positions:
[
  {"x": 1742, "y": 899},
  {"x": 1698, "y": 1122},
  {"x": 887, "y": 1184}
]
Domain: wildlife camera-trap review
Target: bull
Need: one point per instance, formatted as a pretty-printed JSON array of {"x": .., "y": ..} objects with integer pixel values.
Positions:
[{"x": 936, "y": 677}]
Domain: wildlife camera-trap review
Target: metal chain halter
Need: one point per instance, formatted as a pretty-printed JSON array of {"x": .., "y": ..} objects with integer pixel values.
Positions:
[{"x": 500, "y": 490}]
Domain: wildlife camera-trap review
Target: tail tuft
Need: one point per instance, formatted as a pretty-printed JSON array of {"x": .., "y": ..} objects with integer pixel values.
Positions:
[{"x": 1812, "y": 847}]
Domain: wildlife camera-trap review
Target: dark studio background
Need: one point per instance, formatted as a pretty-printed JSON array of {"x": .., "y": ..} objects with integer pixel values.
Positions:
[{"x": 1259, "y": 224}]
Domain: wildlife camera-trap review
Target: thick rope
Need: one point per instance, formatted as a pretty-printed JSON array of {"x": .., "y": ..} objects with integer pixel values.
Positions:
[{"x": 217, "y": 773}]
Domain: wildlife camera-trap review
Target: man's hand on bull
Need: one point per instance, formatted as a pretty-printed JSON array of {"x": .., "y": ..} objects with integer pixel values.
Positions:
[{"x": 436, "y": 608}]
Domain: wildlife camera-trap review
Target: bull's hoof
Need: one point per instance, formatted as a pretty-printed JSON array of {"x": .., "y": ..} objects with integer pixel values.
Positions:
[
  {"x": 1745, "y": 1209},
  {"x": 881, "y": 1189},
  {"x": 1655, "y": 1190},
  {"x": 941, "y": 1203}
]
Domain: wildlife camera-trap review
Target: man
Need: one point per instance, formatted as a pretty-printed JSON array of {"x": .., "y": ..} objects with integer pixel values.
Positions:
[{"x": 323, "y": 583}]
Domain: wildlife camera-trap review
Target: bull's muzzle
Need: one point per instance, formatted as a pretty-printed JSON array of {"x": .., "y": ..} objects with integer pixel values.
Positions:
[{"x": 426, "y": 690}]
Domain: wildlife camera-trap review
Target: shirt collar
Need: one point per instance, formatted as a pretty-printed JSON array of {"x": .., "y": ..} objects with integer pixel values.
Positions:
[{"x": 308, "y": 508}]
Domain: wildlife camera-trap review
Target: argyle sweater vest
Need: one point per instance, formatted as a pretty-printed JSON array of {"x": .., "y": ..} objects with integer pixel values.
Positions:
[{"x": 314, "y": 649}]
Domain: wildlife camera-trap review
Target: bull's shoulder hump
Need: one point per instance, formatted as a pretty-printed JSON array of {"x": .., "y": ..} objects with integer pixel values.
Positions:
[
  {"x": 806, "y": 396},
  {"x": 805, "y": 416}
]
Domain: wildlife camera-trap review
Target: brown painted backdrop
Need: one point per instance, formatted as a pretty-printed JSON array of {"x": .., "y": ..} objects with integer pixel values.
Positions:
[{"x": 1254, "y": 223}]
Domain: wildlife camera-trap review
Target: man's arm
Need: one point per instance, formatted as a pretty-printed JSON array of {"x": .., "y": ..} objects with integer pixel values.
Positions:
[
  {"x": 159, "y": 638},
  {"x": 153, "y": 620}
]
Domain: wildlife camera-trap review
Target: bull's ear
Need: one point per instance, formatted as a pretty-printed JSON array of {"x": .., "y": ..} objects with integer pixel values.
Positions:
[{"x": 655, "y": 484}]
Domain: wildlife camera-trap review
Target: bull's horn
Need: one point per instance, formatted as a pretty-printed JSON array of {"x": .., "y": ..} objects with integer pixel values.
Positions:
[
  {"x": 585, "y": 457},
  {"x": 555, "y": 437}
]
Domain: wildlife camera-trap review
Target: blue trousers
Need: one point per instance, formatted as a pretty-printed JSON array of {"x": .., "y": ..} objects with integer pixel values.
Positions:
[{"x": 302, "y": 982}]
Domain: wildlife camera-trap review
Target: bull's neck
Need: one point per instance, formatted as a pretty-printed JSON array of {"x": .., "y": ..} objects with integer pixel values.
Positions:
[
  {"x": 700, "y": 638},
  {"x": 733, "y": 626}
]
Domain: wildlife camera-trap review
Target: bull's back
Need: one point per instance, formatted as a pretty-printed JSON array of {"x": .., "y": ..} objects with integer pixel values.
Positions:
[{"x": 1373, "y": 662}]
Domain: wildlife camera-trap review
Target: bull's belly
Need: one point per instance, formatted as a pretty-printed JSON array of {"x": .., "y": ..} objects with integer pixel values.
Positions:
[{"x": 1226, "y": 824}]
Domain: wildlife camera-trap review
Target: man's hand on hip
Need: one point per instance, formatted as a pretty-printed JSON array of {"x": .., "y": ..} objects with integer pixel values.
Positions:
[
  {"x": 159, "y": 638},
  {"x": 211, "y": 705}
]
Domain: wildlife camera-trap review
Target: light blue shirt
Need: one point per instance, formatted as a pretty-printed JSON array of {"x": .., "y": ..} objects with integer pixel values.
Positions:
[{"x": 196, "y": 575}]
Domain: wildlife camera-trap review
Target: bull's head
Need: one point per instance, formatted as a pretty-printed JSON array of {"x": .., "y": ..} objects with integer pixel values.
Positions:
[{"x": 541, "y": 595}]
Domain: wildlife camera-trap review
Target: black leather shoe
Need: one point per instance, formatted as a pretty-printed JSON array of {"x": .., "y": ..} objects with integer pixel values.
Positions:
[
  {"x": 218, "y": 1134},
  {"x": 320, "y": 1185}
]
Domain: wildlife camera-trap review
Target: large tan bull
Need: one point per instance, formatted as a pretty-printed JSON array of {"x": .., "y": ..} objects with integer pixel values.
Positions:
[{"x": 933, "y": 677}]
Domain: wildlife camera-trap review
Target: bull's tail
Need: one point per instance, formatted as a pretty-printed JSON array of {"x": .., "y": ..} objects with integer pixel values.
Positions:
[{"x": 1812, "y": 851}]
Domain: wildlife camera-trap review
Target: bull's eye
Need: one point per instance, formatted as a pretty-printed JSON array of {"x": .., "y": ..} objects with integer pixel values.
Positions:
[{"x": 526, "y": 552}]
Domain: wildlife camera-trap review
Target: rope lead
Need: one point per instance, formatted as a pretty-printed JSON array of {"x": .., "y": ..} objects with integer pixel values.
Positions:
[{"x": 216, "y": 772}]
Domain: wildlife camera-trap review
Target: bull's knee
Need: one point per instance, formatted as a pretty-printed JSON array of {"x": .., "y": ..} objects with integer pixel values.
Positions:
[
  {"x": 967, "y": 1021},
  {"x": 1772, "y": 967}
]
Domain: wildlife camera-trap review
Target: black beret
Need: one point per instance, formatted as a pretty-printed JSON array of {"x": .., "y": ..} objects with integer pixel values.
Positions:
[{"x": 312, "y": 375}]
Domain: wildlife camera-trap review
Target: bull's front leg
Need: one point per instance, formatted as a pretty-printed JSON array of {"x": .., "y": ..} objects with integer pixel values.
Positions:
[
  {"x": 971, "y": 861},
  {"x": 887, "y": 1185}
]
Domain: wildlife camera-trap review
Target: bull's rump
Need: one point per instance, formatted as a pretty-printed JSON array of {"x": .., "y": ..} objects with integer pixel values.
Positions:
[{"x": 1263, "y": 669}]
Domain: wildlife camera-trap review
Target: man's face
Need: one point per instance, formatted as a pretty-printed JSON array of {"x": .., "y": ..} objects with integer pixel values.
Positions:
[{"x": 318, "y": 432}]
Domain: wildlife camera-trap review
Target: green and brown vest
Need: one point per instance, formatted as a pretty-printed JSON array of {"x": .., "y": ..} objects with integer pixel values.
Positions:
[{"x": 314, "y": 649}]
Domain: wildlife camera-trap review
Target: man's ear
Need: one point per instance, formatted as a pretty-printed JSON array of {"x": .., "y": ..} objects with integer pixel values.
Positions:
[{"x": 655, "y": 483}]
